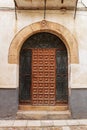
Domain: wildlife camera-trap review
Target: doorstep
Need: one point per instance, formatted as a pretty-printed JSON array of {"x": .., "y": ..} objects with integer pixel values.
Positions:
[{"x": 43, "y": 115}]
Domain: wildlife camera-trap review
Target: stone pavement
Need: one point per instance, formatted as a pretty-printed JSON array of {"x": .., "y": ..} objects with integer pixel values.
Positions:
[{"x": 43, "y": 124}]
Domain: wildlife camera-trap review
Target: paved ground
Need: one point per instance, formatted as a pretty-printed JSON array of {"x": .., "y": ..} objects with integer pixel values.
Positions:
[{"x": 43, "y": 124}]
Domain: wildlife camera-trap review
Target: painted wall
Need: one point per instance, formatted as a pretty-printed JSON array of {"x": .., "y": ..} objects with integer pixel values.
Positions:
[{"x": 9, "y": 28}]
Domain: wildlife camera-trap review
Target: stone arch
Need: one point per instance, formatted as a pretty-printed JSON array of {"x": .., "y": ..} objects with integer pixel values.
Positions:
[{"x": 44, "y": 26}]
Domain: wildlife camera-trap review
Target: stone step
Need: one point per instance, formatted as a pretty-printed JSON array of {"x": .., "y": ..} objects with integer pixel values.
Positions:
[
  {"x": 60, "y": 107},
  {"x": 43, "y": 115}
]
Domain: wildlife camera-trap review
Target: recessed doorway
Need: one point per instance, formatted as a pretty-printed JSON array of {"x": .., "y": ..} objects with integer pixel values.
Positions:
[{"x": 43, "y": 71}]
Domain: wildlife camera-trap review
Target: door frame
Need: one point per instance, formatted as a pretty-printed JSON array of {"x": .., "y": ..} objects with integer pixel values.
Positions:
[
  {"x": 62, "y": 32},
  {"x": 44, "y": 26}
]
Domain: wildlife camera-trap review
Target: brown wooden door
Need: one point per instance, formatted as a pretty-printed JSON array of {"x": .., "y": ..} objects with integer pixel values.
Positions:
[{"x": 43, "y": 76}]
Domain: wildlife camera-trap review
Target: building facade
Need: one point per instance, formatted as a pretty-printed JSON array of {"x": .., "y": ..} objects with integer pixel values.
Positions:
[{"x": 43, "y": 57}]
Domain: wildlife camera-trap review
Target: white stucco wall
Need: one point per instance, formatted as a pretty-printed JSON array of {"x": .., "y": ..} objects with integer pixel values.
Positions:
[
  {"x": 7, "y": 71},
  {"x": 7, "y": 3},
  {"x": 9, "y": 27}
]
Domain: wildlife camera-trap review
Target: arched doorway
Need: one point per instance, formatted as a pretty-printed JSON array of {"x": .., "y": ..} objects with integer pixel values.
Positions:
[{"x": 43, "y": 70}]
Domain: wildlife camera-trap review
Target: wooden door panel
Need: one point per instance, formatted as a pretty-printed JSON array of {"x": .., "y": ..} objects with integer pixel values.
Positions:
[{"x": 43, "y": 76}]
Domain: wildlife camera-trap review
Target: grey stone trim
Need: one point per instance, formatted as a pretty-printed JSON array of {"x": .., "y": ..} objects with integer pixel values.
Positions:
[
  {"x": 78, "y": 103},
  {"x": 8, "y": 103}
]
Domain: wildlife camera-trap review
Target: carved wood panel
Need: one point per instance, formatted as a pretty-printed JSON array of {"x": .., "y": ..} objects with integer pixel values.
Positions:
[{"x": 43, "y": 76}]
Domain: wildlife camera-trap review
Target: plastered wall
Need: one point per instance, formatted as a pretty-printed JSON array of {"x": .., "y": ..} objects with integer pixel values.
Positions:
[{"x": 9, "y": 27}]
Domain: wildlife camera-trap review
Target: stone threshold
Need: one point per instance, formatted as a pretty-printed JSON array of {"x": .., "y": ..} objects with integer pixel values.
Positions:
[
  {"x": 42, "y": 123},
  {"x": 43, "y": 115},
  {"x": 59, "y": 107}
]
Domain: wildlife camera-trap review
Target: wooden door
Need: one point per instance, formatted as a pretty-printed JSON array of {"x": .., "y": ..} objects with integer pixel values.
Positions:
[{"x": 43, "y": 76}]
